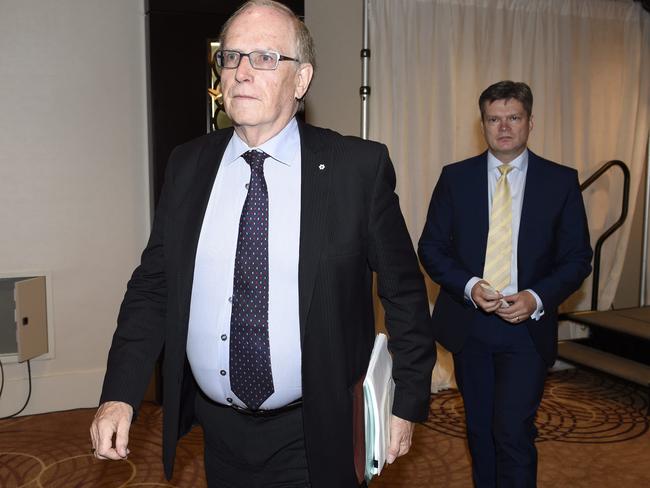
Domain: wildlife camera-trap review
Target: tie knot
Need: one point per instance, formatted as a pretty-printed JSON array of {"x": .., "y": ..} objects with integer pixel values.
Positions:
[
  {"x": 505, "y": 169},
  {"x": 255, "y": 158}
]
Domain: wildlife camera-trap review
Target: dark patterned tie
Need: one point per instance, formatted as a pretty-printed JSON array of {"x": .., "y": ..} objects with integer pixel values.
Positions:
[{"x": 250, "y": 358}]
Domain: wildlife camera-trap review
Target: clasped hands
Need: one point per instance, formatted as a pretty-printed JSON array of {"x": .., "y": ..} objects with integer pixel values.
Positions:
[{"x": 513, "y": 308}]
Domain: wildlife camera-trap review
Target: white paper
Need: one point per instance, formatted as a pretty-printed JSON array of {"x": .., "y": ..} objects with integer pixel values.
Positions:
[{"x": 378, "y": 391}]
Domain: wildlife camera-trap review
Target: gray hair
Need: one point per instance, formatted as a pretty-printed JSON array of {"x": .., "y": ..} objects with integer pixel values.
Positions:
[{"x": 304, "y": 42}]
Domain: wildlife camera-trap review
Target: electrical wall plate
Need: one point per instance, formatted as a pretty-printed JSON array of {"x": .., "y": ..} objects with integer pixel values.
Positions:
[
  {"x": 10, "y": 319},
  {"x": 31, "y": 317}
]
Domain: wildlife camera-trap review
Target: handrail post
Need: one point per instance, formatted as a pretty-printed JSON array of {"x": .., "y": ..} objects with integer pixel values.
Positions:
[
  {"x": 601, "y": 240},
  {"x": 644, "y": 250}
]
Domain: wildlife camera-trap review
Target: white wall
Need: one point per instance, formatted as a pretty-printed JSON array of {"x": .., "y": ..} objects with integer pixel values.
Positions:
[
  {"x": 333, "y": 100},
  {"x": 73, "y": 178}
]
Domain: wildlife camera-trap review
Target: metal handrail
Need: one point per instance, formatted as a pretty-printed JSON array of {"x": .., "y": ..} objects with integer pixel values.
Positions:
[{"x": 613, "y": 227}]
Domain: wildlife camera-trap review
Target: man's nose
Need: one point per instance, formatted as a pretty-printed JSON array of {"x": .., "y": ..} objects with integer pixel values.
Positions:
[
  {"x": 244, "y": 71},
  {"x": 504, "y": 125}
]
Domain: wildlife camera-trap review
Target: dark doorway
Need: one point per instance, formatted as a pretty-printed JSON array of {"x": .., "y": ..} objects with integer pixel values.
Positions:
[
  {"x": 178, "y": 35},
  {"x": 178, "y": 72}
]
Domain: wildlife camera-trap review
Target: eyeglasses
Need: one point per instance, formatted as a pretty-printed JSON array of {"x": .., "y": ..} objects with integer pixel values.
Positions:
[{"x": 263, "y": 60}]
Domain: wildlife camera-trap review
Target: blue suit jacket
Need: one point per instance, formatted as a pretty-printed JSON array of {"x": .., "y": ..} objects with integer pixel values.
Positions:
[{"x": 553, "y": 256}]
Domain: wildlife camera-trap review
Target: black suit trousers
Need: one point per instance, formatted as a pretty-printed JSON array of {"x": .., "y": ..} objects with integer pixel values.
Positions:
[{"x": 244, "y": 451}]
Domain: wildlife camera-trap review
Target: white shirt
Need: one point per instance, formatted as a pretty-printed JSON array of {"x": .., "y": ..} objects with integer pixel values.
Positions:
[
  {"x": 208, "y": 341},
  {"x": 517, "y": 182}
]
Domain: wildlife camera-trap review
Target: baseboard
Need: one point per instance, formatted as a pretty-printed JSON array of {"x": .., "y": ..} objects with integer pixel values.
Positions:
[{"x": 51, "y": 393}]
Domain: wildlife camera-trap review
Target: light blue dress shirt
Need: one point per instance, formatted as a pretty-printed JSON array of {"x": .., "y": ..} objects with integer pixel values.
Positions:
[
  {"x": 517, "y": 182},
  {"x": 208, "y": 341}
]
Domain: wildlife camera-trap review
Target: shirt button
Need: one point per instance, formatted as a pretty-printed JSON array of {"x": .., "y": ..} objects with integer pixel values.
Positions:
[
  {"x": 230, "y": 299},
  {"x": 229, "y": 400},
  {"x": 222, "y": 372},
  {"x": 224, "y": 337},
  {"x": 247, "y": 185}
]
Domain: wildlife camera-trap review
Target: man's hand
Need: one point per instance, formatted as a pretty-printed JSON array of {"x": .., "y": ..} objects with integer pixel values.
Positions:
[
  {"x": 522, "y": 305},
  {"x": 111, "y": 418},
  {"x": 488, "y": 300},
  {"x": 401, "y": 433}
]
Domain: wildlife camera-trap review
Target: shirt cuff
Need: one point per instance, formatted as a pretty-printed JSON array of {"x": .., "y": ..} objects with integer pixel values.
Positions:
[
  {"x": 468, "y": 290},
  {"x": 537, "y": 314}
]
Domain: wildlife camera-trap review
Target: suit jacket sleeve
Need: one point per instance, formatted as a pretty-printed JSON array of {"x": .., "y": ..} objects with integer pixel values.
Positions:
[
  {"x": 400, "y": 286},
  {"x": 570, "y": 259},
  {"x": 436, "y": 247},
  {"x": 139, "y": 337}
]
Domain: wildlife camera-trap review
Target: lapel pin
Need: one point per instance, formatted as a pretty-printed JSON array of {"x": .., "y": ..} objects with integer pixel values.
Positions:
[{"x": 321, "y": 166}]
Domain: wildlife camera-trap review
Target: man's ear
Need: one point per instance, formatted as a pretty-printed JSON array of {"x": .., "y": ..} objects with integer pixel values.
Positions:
[{"x": 303, "y": 79}]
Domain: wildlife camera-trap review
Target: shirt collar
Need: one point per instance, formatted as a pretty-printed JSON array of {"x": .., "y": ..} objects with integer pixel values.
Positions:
[
  {"x": 520, "y": 162},
  {"x": 282, "y": 147}
]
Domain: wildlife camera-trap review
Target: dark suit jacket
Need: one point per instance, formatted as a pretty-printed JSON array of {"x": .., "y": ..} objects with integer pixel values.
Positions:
[
  {"x": 553, "y": 254},
  {"x": 351, "y": 225}
]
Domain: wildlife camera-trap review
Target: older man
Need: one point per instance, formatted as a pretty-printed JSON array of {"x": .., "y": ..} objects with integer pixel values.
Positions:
[
  {"x": 257, "y": 282},
  {"x": 506, "y": 238}
]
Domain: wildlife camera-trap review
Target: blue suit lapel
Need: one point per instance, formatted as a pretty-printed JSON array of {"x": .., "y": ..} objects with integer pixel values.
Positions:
[
  {"x": 531, "y": 206},
  {"x": 476, "y": 188}
]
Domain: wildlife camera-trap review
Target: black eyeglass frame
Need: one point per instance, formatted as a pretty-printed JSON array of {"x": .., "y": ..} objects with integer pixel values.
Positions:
[{"x": 218, "y": 59}]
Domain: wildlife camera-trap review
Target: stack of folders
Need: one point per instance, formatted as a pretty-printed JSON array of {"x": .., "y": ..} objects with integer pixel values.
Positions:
[{"x": 378, "y": 391}]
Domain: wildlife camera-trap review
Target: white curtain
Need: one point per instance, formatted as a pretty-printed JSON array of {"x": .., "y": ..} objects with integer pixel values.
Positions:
[{"x": 587, "y": 62}]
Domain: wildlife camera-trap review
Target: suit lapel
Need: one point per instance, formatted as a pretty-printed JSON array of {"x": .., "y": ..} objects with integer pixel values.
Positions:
[
  {"x": 199, "y": 189},
  {"x": 532, "y": 198},
  {"x": 316, "y": 170},
  {"x": 476, "y": 187}
]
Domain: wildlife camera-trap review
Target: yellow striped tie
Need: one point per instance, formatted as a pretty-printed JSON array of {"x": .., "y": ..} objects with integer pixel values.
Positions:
[{"x": 498, "y": 254}]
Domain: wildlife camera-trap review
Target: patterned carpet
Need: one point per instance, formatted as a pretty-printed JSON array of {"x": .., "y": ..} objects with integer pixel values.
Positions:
[{"x": 593, "y": 432}]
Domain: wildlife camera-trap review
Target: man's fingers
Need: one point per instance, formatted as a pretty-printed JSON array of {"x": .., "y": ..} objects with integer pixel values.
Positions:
[
  {"x": 522, "y": 306},
  {"x": 401, "y": 433},
  {"x": 510, "y": 313},
  {"x": 393, "y": 450},
  {"x": 93, "y": 436},
  {"x": 122, "y": 440},
  {"x": 112, "y": 418},
  {"x": 515, "y": 316},
  {"x": 489, "y": 306},
  {"x": 488, "y": 300},
  {"x": 398, "y": 447},
  {"x": 105, "y": 448}
]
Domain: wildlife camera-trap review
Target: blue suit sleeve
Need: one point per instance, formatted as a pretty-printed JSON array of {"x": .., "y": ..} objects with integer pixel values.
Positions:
[
  {"x": 572, "y": 252},
  {"x": 436, "y": 247}
]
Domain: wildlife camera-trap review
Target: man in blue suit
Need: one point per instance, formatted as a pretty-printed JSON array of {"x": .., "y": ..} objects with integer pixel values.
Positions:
[{"x": 509, "y": 212}]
